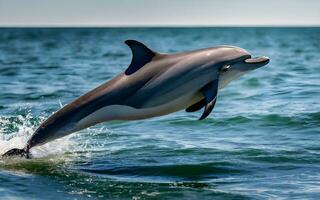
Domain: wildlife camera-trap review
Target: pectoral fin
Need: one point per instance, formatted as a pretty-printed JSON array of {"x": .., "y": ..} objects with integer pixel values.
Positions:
[
  {"x": 197, "y": 106},
  {"x": 210, "y": 92}
]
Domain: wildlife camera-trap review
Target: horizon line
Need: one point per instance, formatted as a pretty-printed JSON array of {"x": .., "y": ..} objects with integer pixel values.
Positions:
[{"x": 168, "y": 26}]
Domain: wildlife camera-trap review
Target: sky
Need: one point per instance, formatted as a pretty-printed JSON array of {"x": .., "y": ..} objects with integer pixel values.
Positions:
[{"x": 159, "y": 12}]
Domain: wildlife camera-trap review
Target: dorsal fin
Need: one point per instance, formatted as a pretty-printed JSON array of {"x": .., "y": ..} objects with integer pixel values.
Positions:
[{"x": 141, "y": 55}]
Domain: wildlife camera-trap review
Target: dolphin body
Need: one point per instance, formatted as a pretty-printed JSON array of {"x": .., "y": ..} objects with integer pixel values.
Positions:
[{"x": 154, "y": 84}]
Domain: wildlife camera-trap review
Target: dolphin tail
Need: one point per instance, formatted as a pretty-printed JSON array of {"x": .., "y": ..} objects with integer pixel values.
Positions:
[{"x": 17, "y": 153}]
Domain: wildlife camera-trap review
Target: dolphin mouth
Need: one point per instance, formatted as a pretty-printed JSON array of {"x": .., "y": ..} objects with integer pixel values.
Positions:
[{"x": 257, "y": 60}]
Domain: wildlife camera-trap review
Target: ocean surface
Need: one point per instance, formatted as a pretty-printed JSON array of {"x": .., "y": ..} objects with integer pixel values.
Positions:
[{"x": 262, "y": 140}]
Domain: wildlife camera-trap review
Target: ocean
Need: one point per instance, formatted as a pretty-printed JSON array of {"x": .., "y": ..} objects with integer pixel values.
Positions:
[{"x": 262, "y": 141}]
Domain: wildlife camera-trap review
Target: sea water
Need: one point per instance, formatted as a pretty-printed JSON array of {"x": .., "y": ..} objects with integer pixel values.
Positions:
[{"x": 262, "y": 141}]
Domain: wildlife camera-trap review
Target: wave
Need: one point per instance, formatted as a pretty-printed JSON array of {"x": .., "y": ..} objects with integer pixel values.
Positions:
[
  {"x": 84, "y": 185},
  {"x": 15, "y": 130},
  {"x": 302, "y": 120},
  {"x": 199, "y": 171}
]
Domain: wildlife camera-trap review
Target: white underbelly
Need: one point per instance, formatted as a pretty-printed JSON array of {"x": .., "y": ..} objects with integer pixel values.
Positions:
[{"x": 124, "y": 112}]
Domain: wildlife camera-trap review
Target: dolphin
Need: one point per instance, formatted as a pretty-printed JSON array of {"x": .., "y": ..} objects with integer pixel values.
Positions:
[{"x": 154, "y": 84}]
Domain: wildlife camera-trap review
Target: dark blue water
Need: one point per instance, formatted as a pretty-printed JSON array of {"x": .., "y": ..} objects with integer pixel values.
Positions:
[{"x": 261, "y": 142}]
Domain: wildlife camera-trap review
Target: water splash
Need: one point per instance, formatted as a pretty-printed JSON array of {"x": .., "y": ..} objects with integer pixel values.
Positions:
[{"x": 15, "y": 132}]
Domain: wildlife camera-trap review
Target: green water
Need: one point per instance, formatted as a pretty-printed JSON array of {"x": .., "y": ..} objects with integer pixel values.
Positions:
[{"x": 261, "y": 141}]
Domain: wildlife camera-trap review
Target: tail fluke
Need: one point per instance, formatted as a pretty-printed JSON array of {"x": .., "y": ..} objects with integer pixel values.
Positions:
[{"x": 17, "y": 153}]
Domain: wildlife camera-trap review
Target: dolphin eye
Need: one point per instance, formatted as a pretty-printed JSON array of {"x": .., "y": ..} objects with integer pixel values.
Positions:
[{"x": 225, "y": 68}]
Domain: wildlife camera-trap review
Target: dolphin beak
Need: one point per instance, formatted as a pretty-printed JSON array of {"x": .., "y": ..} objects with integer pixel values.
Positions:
[{"x": 257, "y": 61}]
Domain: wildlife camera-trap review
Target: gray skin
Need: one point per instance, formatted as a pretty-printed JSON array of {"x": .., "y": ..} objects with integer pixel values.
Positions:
[{"x": 153, "y": 85}]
